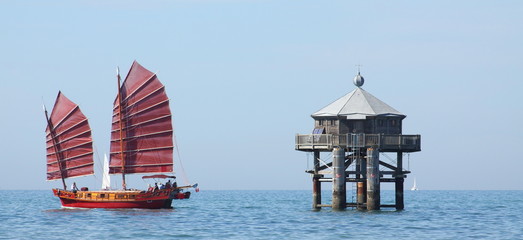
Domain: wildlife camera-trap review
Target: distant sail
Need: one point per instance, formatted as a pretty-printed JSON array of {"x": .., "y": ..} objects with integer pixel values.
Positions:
[
  {"x": 147, "y": 133},
  {"x": 69, "y": 142},
  {"x": 414, "y": 187},
  {"x": 106, "y": 178}
]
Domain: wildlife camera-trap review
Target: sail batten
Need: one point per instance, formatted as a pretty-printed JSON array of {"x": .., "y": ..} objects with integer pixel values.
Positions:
[
  {"x": 60, "y": 121},
  {"x": 143, "y": 132},
  {"x": 144, "y": 82},
  {"x": 147, "y": 165},
  {"x": 144, "y": 135},
  {"x": 69, "y": 158},
  {"x": 50, "y": 141},
  {"x": 136, "y": 113},
  {"x": 72, "y": 168},
  {"x": 146, "y": 149},
  {"x": 144, "y": 122},
  {"x": 138, "y": 100},
  {"x": 69, "y": 142},
  {"x": 66, "y": 130},
  {"x": 69, "y": 148}
]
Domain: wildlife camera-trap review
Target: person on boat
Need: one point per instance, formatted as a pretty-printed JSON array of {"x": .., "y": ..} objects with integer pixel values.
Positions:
[
  {"x": 162, "y": 186},
  {"x": 168, "y": 184},
  {"x": 150, "y": 188},
  {"x": 155, "y": 187},
  {"x": 73, "y": 187}
]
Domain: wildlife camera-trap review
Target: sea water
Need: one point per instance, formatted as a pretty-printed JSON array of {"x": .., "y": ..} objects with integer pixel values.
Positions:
[{"x": 269, "y": 215}]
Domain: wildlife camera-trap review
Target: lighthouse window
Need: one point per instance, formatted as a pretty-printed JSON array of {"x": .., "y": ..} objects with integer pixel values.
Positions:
[
  {"x": 393, "y": 123},
  {"x": 380, "y": 122}
]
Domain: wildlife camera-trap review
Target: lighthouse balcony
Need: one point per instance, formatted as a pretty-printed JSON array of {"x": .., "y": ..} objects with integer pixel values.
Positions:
[{"x": 384, "y": 142}]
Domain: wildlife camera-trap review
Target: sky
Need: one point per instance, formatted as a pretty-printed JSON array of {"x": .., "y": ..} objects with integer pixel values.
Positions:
[{"x": 244, "y": 76}]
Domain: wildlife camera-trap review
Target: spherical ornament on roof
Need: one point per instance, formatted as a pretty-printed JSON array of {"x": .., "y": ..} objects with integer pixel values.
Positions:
[{"x": 358, "y": 80}]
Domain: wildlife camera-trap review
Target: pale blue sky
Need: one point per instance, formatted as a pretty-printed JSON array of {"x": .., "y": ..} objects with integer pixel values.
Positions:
[{"x": 244, "y": 77}]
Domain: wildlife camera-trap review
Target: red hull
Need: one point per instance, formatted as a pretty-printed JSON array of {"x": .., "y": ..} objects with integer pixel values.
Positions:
[
  {"x": 153, "y": 204},
  {"x": 108, "y": 199},
  {"x": 182, "y": 195}
]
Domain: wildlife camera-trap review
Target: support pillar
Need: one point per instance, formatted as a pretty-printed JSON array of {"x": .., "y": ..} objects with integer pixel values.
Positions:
[
  {"x": 339, "y": 200},
  {"x": 316, "y": 184},
  {"x": 399, "y": 182},
  {"x": 373, "y": 179},
  {"x": 361, "y": 196}
]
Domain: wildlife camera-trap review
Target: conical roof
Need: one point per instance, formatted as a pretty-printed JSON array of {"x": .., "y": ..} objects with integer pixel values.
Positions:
[{"x": 358, "y": 104}]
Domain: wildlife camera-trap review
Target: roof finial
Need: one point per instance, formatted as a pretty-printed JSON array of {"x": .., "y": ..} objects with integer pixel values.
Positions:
[{"x": 358, "y": 80}]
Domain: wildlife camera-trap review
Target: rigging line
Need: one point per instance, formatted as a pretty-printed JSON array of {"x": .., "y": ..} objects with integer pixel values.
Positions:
[
  {"x": 184, "y": 176},
  {"x": 325, "y": 164},
  {"x": 308, "y": 159},
  {"x": 391, "y": 161},
  {"x": 97, "y": 156},
  {"x": 388, "y": 157},
  {"x": 177, "y": 149}
]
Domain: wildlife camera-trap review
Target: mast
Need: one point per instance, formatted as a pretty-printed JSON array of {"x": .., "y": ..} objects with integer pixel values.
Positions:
[
  {"x": 121, "y": 128},
  {"x": 55, "y": 146}
]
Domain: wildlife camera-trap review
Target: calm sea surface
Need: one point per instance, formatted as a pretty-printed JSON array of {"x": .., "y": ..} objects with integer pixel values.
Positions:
[{"x": 269, "y": 215}]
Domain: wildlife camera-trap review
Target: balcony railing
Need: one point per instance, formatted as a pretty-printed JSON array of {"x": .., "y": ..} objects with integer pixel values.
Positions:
[{"x": 385, "y": 142}]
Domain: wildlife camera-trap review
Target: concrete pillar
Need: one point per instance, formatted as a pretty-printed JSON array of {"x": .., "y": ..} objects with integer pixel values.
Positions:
[
  {"x": 316, "y": 184},
  {"x": 399, "y": 182},
  {"x": 373, "y": 179},
  {"x": 361, "y": 196},
  {"x": 339, "y": 200}
]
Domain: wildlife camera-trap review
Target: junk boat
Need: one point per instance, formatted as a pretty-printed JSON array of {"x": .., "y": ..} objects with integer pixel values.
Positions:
[{"x": 141, "y": 142}]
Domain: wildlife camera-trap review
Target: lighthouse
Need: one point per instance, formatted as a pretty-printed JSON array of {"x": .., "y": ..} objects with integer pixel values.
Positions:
[{"x": 355, "y": 129}]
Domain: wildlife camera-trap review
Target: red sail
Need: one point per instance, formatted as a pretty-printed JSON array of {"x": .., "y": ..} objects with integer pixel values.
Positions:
[
  {"x": 147, "y": 133},
  {"x": 69, "y": 141}
]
